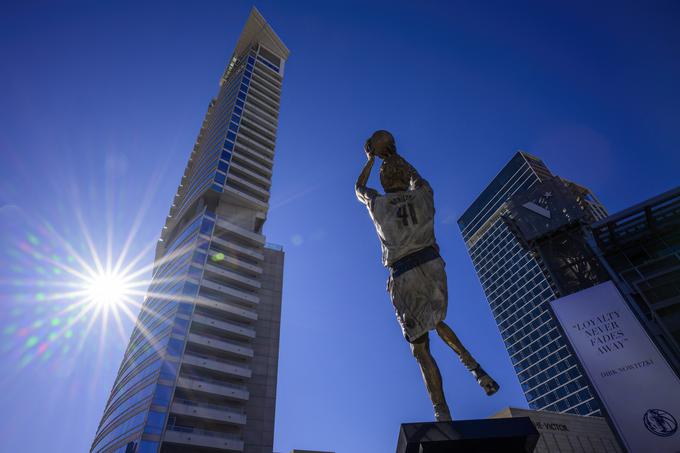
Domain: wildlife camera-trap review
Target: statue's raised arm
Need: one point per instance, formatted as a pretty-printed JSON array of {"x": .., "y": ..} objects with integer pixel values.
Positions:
[{"x": 363, "y": 193}]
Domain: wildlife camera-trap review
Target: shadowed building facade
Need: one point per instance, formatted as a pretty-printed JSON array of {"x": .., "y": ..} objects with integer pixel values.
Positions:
[
  {"x": 640, "y": 247},
  {"x": 199, "y": 373},
  {"x": 519, "y": 287}
]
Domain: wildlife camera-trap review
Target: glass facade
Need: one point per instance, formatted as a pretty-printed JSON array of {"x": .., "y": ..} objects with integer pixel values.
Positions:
[
  {"x": 518, "y": 290},
  {"x": 199, "y": 372}
]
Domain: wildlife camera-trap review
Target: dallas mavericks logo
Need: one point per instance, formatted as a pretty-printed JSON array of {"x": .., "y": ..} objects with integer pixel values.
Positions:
[{"x": 660, "y": 422}]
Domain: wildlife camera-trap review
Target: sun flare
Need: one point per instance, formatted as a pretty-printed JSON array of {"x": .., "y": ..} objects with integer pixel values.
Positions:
[{"x": 107, "y": 290}]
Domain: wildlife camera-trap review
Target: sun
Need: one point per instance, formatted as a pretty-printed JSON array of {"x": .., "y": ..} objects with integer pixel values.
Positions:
[{"x": 107, "y": 290}]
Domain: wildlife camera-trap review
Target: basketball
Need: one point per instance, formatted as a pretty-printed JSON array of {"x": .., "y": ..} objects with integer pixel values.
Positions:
[{"x": 381, "y": 144}]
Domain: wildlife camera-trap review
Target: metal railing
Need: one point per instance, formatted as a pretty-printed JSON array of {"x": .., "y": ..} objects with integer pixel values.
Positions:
[
  {"x": 203, "y": 432},
  {"x": 219, "y": 407}
]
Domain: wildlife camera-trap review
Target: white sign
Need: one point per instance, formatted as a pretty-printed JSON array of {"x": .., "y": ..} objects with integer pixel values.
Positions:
[{"x": 638, "y": 388}]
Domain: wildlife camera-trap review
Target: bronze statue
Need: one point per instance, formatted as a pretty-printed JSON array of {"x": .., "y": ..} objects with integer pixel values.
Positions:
[{"x": 404, "y": 220}]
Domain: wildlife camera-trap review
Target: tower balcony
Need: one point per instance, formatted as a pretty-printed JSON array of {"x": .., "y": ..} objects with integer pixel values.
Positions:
[
  {"x": 266, "y": 88},
  {"x": 255, "y": 178},
  {"x": 273, "y": 111},
  {"x": 217, "y": 365},
  {"x": 256, "y": 111},
  {"x": 269, "y": 82},
  {"x": 220, "y": 345},
  {"x": 227, "y": 308},
  {"x": 238, "y": 249},
  {"x": 255, "y": 150},
  {"x": 208, "y": 411},
  {"x": 256, "y": 135},
  {"x": 262, "y": 125},
  {"x": 232, "y": 293},
  {"x": 253, "y": 189},
  {"x": 229, "y": 277},
  {"x": 245, "y": 161},
  {"x": 203, "y": 438},
  {"x": 263, "y": 97},
  {"x": 242, "y": 198},
  {"x": 257, "y": 240},
  {"x": 213, "y": 387},
  {"x": 223, "y": 259},
  {"x": 232, "y": 328},
  {"x": 262, "y": 72}
]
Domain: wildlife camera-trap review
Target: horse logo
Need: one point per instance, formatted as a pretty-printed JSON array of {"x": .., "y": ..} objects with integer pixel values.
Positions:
[{"x": 660, "y": 422}]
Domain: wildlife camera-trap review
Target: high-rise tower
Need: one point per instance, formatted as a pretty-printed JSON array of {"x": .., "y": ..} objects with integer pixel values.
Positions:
[
  {"x": 199, "y": 373},
  {"x": 519, "y": 287}
]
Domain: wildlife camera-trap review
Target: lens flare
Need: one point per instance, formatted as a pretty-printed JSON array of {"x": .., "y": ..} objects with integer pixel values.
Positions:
[{"x": 108, "y": 290}]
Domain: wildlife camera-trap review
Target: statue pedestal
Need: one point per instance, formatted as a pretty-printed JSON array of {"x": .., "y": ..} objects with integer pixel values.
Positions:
[{"x": 499, "y": 435}]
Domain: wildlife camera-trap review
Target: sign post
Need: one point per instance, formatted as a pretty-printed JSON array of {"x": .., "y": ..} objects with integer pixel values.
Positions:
[{"x": 637, "y": 387}]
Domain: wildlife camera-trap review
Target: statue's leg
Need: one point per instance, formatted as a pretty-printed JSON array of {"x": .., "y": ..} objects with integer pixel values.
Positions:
[
  {"x": 431, "y": 376},
  {"x": 450, "y": 338}
]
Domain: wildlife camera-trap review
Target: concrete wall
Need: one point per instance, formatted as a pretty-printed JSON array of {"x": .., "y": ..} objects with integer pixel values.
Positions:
[
  {"x": 259, "y": 431},
  {"x": 566, "y": 433}
]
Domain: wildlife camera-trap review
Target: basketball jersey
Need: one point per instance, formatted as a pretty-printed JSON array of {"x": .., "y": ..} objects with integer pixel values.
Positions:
[{"x": 404, "y": 221}]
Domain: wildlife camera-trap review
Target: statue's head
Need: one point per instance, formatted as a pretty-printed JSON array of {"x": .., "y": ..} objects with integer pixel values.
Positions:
[
  {"x": 382, "y": 144},
  {"x": 394, "y": 175}
]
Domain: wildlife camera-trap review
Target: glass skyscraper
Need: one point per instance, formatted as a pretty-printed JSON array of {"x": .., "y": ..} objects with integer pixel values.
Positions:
[
  {"x": 199, "y": 373},
  {"x": 519, "y": 288}
]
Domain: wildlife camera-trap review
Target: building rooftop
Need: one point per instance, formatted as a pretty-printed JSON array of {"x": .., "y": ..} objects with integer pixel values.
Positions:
[{"x": 257, "y": 29}]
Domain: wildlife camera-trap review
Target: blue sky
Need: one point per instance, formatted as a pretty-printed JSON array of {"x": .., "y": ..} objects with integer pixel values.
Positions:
[{"x": 100, "y": 107}]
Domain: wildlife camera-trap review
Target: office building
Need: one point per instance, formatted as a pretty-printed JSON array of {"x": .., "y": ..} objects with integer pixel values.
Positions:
[
  {"x": 519, "y": 286},
  {"x": 640, "y": 247},
  {"x": 567, "y": 433},
  {"x": 199, "y": 373}
]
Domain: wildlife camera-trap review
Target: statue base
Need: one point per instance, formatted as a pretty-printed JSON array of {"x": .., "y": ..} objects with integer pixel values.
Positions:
[{"x": 498, "y": 435}]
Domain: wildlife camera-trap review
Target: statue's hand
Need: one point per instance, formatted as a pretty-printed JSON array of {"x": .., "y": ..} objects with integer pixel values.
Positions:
[{"x": 368, "y": 149}]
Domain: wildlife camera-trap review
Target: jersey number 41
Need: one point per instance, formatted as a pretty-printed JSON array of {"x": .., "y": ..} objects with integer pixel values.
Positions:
[{"x": 406, "y": 212}]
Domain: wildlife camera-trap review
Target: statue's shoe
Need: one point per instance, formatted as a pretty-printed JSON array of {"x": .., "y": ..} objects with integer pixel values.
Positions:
[
  {"x": 484, "y": 380},
  {"x": 441, "y": 413}
]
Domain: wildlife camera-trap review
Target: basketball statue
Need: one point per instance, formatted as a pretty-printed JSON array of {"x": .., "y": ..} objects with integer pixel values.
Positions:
[{"x": 404, "y": 220}]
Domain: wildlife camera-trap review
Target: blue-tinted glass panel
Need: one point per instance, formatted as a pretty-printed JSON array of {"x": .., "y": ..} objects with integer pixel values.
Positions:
[
  {"x": 127, "y": 426},
  {"x": 185, "y": 308},
  {"x": 195, "y": 272},
  {"x": 241, "y": 95},
  {"x": 155, "y": 422},
  {"x": 199, "y": 258},
  {"x": 226, "y": 156},
  {"x": 223, "y": 166},
  {"x": 181, "y": 326},
  {"x": 220, "y": 178},
  {"x": 162, "y": 395},
  {"x": 148, "y": 446},
  {"x": 207, "y": 226},
  {"x": 168, "y": 370},
  {"x": 175, "y": 347}
]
